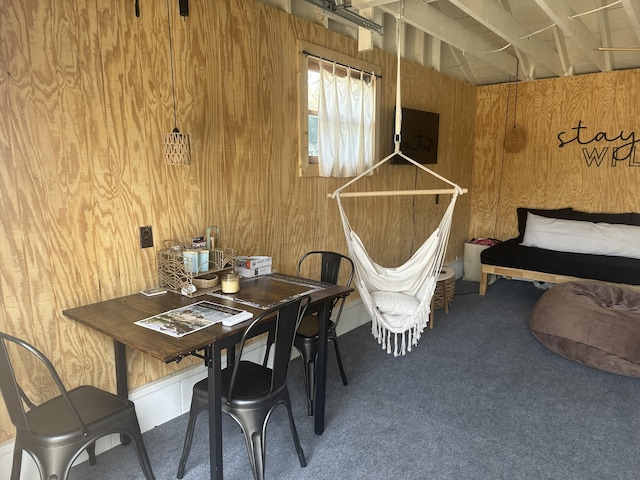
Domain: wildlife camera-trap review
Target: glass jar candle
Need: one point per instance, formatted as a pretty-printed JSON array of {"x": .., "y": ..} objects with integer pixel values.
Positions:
[{"x": 230, "y": 282}]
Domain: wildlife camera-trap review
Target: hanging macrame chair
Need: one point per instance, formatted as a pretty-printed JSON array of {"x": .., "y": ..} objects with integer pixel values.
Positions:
[{"x": 398, "y": 299}]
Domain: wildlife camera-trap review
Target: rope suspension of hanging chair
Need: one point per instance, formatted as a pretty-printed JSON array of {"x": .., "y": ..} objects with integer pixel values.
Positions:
[
  {"x": 398, "y": 299},
  {"x": 457, "y": 190}
]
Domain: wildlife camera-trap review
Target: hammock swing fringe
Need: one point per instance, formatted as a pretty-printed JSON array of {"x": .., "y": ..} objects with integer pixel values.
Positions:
[{"x": 390, "y": 294}]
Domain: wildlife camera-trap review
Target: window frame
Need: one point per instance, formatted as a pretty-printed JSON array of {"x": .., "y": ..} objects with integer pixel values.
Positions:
[{"x": 308, "y": 167}]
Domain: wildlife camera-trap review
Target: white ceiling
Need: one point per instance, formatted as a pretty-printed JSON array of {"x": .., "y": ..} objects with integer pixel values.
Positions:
[{"x": 487, "y": 41}]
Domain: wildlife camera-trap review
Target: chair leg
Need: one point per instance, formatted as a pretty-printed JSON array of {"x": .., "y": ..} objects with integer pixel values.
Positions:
[
  {"x": 55, "y": 468},
  {"x": 193, "y": 414},
  {"x": 310, "y": 383},
  {"x": 294, "y": 434},
  {"x": 17, "y": 463},
  {"x": 91, "y": 450},
  {"x": 255, "y": 447},
  {"x": 141, "y": 452},
  {"x": 339, "y": 358},
  {"x": 254, "y": 428},
  {"x": 308, "y": 374}
]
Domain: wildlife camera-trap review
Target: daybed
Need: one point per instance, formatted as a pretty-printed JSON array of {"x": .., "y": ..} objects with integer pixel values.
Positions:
[{"x": 617, "y": 248}]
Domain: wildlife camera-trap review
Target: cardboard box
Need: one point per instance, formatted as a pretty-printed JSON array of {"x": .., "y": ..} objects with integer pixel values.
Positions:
[
  {"x": 254, "y": 272},
  {"x": 253, "y": 262}
]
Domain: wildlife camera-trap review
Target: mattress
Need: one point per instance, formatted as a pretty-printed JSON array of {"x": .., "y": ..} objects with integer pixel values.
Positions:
[{"x": 597, "y": 267}]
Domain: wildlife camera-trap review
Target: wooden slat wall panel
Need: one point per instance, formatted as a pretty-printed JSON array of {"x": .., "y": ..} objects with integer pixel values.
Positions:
[
  {"x": 85, "y": 98},
  {"x": 541, "y": 174}
]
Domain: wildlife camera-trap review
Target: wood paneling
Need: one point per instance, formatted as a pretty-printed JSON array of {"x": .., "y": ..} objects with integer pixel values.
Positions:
[
  {"x": 542, "y": 174},
  {"x": 85, "y": 98}
]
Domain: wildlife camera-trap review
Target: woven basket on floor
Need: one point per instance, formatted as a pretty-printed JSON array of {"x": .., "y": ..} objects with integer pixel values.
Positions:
[{"x": 448, "y": 287}]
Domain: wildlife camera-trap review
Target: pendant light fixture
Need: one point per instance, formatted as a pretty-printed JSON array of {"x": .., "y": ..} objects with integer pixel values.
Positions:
[{"x": 177, "y": 149}]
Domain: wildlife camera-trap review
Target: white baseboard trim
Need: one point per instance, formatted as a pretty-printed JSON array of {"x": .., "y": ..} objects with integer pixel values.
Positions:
[{"x": 162, "y": 400}]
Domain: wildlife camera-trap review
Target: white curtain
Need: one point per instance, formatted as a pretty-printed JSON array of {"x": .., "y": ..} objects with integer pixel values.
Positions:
[{"x": 346, "y": 123}]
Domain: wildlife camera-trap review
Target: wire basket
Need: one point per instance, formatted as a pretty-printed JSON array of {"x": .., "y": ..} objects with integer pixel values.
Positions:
[{"x": 176, "y": 271}]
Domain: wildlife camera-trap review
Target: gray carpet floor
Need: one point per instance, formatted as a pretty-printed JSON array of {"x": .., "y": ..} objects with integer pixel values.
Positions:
[{"x": 479, "y": 398}]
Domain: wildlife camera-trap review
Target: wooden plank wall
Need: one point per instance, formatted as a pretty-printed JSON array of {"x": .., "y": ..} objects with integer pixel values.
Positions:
[
  {"x": 542, "y": 174},
  {"x": 85, "y": 97}
]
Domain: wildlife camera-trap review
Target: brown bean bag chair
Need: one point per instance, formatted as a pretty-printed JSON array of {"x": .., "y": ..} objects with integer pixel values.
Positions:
[{"x": 592, "y": 323}]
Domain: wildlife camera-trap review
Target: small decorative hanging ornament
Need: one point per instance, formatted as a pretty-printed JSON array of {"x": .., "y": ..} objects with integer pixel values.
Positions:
[{"x": 177, "y": 148}]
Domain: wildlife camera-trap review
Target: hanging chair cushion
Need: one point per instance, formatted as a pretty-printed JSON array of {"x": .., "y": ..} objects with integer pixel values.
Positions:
[
  {"x": 395, "y": 303},
  {"x": 593, "y": 323}
]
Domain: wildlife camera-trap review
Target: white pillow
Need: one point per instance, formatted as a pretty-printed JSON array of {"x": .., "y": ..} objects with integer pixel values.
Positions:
[
  {"x": 582, "y": 237},
  {"x": 395, "y": 303}
]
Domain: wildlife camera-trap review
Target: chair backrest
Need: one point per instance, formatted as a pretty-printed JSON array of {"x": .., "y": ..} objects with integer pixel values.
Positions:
[
  {"x": 288, "y": 317},
  {"x": 330, "y": 264},
  {"x": 15, "y": 399}
]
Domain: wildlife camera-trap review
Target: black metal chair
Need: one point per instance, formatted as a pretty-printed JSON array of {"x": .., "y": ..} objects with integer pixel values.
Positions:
[
  {"x": 56, "y": 431},
  {"x": 306, "y": 341},
  {"x": 251, "y": 391}
]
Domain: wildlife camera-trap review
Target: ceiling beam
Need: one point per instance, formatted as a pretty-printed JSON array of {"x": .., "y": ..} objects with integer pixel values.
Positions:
[
  {"x": 605, "y": 35},
  {"x": 432, "y": 21},
  {"x": 370, "y": 3},
  {"x": 526, "y": 67},
  {"x": 502, "y": 23},
  {"x": 365, "y": 36},
  {"x": 463, "y": 65},
  {"x": 561, "y": 45},
  {"x": 559, "y": 13},
  {"x": 632, "y": 9},
  {"x": 435, "y": 57}
]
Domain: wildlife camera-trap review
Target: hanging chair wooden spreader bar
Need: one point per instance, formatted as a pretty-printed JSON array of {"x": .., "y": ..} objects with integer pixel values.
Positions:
[{"x": 386, "y": 193}]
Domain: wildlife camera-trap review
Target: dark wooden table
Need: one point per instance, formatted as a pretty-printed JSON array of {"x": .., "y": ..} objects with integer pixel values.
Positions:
[{"x": 115, "y": 318}]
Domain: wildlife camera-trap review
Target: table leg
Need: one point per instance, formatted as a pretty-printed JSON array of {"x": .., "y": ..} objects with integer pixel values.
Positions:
[
  {"x": 122, "y": 385},
  {"x": 321, "y": 368},
  {"x": 231, "y": 355},
  {"x": 214, "y": 364}
]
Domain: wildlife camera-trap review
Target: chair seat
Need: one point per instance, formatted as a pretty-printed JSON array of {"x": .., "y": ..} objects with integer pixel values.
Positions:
[
  {"x": 252, "y": 381},
  {"x": 54, "y": 419},
  {"x": 310, "y": 327}
]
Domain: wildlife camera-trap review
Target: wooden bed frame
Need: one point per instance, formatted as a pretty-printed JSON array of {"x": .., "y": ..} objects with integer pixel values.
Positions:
[{"x": 510, "y": 273}]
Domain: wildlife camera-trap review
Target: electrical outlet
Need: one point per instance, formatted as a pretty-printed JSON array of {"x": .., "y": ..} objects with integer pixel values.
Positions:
[{"x": 146, "y": 237}]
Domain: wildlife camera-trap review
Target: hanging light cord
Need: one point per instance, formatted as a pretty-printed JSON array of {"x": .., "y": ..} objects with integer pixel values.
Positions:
[
  {"x": 515, "y": 104},
  {"x": 506, "y": 123},
  {"x": 173, "y": 81}
]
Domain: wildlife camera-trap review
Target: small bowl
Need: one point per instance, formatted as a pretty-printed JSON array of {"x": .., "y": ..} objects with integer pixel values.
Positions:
[{"x": 208, "y": 282}]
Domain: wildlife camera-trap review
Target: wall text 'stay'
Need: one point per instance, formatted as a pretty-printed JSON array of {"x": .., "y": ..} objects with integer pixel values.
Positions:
[{"x": 620, "y": 153}]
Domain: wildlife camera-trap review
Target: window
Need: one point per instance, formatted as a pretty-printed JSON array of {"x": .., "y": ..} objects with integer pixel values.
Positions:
[{"x": 349, "y": 136}]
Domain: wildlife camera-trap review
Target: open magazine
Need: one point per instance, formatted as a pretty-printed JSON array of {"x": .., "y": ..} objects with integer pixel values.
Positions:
[{"x": 194, "y": 317}]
